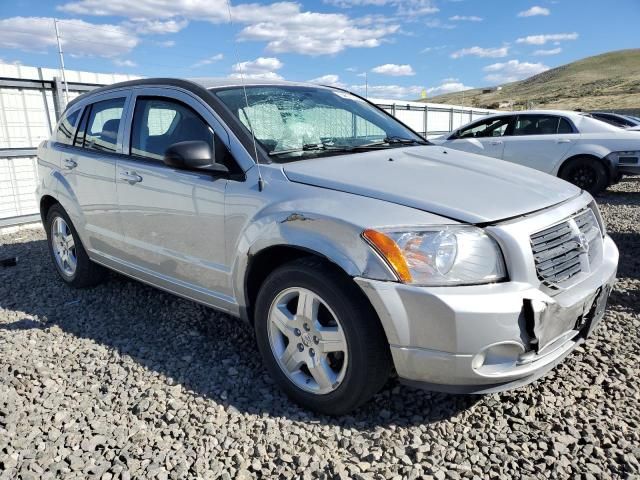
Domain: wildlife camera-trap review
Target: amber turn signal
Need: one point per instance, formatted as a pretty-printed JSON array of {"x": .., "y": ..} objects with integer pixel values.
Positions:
[{"x": 390, "y": 252}]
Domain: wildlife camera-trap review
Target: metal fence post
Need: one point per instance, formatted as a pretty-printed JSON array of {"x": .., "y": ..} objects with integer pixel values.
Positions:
[
  {"x": 426, "y": 121},
  {"x": 58, "y": 98}
]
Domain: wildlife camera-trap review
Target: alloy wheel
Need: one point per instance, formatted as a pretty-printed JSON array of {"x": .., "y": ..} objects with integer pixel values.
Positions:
[
  {"x": 584, "y": 177},
  {"x": 307, "y": 341},
  {"x": 63, "y": 245}
]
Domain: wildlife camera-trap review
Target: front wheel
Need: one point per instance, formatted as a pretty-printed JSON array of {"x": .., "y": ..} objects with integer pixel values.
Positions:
[
  {"x": 319, "y": 338},
  {"x": 587, "y": 173}
]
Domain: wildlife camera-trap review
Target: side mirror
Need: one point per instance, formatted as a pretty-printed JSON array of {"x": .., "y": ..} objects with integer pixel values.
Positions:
[{"x": 193, "y": 155}]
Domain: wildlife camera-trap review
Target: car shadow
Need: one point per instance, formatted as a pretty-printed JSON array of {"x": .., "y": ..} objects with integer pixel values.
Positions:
[
  {"x": 209, "y": 354},
  {"x": 628, "y": 244},
  {"x": 621, "y": 197}
]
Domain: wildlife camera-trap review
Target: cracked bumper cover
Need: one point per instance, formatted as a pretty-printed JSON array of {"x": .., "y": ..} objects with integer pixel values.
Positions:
[{"x": 486, "y": 338}]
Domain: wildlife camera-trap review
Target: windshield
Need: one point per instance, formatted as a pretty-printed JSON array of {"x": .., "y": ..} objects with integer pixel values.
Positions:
[{"x": 297, "y": 122}]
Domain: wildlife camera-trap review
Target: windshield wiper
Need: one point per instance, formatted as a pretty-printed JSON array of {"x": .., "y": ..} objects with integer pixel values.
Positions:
[
  {"x": 385, "y": 143},
  {"x": 394, "y": 141},
  {"x": 310, "y": 147}
]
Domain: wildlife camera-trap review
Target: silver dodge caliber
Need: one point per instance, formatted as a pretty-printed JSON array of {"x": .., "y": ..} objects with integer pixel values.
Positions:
[{"x": 351, "y": 246}]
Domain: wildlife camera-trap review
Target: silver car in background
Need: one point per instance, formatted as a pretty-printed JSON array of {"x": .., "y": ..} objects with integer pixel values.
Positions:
[{"x": 350, "y": 245}]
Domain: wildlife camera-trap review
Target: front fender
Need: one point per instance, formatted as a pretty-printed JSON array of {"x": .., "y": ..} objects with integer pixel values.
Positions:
[
  {"x": 336, "y": 240},
  {"x": 326, "y": 222}
]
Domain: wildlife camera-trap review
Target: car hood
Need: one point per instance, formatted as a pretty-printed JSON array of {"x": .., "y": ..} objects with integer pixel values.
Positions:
[{"x": 458, "y": 185}]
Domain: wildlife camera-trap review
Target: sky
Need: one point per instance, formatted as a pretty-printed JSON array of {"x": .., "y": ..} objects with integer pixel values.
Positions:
[{"x": 403, "y": 48}]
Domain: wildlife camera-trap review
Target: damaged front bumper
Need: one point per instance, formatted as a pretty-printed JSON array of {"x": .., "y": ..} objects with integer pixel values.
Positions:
[{"x": 486, "y": 338}]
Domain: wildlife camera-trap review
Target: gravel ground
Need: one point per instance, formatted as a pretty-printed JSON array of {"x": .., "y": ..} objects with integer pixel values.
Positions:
[{"x": 125, "y": 381}]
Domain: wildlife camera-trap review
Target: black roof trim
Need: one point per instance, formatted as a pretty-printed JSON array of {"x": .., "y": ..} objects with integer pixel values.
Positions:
[
  {"x": 195, "y": 88},
  {"x": 173, "y": 82}
]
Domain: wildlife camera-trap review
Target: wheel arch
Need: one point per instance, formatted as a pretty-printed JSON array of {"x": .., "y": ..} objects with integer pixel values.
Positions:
[
  {"x": 261, "y": 263},
  {"x": 609, "y": 168},
  {"x": 46, "y": 202}
]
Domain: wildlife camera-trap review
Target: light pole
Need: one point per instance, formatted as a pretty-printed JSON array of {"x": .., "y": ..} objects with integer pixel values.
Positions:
[{"x": 64, "y": 77}]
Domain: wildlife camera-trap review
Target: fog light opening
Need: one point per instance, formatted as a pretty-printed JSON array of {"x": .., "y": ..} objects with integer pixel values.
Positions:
[{"x": 498, "y": 357}]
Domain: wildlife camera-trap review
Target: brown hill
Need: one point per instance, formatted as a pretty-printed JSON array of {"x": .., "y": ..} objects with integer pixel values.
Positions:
[{"x": 607, "y": 81}]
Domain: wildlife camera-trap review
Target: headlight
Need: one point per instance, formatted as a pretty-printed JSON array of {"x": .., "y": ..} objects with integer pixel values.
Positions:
[
  {"x": 596, "y": 212},
  {"x": 447, "y": 255}
]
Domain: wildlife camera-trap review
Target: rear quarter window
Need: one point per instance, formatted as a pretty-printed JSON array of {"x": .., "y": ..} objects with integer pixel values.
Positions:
[{"x": 67, "y": 127}]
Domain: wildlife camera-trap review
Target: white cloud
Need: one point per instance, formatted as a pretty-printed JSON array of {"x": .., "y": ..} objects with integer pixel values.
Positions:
[
  {"x": 416, "y": 8},
  {"x": 147, "y": 9},
  {"x": 389, "y": 91},
  {"x": 284, "y": 26},
  {"x": 497, "y": 52},
  {"x": 124, "y": 63},
  {"x": 156, "y": 27},
  {"x": 433, "y": 49},
  {"x": 262, "y": 68},
  {"x": 403, "y": 7},
  {"x": 394, "y": 70},
  {"x": 465, "y": 18},
  {"x": 311, "y": 33},
  {"x": 331, "y": 80},
  {"x": 512, "y": 70},
  {"x": 356, "y": 3},
  {"x": 437, "y": 23},
  {"x": 208, "y": 61},
  {"x": 534, "y": 11},
  {"x": 79, "y": 38},
  {"x": 544, "y": 53},
  {"x": 260, "y": 64},
  {"x": 542, "y": 39},
  {"x": 448, "y": 85}
]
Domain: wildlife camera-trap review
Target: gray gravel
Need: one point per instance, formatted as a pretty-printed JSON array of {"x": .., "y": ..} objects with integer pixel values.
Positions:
[{"x": 124, "y": 381}]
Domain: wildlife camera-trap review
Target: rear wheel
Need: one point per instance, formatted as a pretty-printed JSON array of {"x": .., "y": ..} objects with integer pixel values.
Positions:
[
  {"x": 586, "y": 173},
  {"x": 68, "y": 255},
  {"x": 319, "y": 338}
]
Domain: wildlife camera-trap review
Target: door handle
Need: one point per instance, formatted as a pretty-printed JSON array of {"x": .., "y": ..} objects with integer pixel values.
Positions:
[
  {"x": 130, "y": 177},
  {"x": 496, "y": 142},
  {"x": 70, "y": 163},
  {"x": 563, "y": 140}
]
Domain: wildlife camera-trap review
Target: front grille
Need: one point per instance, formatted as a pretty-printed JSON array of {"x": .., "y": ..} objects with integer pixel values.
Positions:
[{"x": 566, "y": 249}]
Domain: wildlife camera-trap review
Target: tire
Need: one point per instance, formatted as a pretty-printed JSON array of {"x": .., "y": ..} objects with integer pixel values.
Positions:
[
  {"x": 85, "y": 273},
  {"x": 586, "y": 173},
  {"x": 355, "y": 373}
]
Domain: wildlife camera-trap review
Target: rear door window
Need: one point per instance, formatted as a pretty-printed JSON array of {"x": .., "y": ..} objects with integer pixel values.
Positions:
[
  {"x": 103, "y": 124},
  {"x": 538, "y": 125}
]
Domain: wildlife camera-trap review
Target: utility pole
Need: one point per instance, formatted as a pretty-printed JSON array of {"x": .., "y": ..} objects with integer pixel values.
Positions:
[
  {"x": 64, "y": 77},
  {"x": 366, "y": 86}
]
